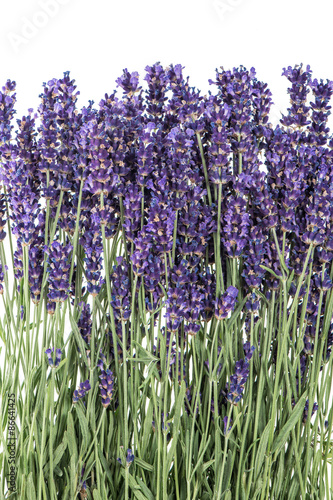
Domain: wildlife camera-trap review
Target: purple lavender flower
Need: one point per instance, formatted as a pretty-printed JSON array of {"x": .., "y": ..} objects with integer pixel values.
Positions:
[
  {"x": 299, "y": 111},
  {"x": 236, "y": 224},
  {"x": 58, "y": 268},
  {"x": 58, "y": 355},
  {"x": 239, "y": 378},
  {"x": 219, "y": 152},
  {"x": 121, "y": 291},
  {"x": 3, "y": 213},
  {"x": 238, "y": 89},
  {"x": 157, "y": 84},
  {"x": 106, "y": 386},
  {"x": 83, "y": 484},
  {"x": 91, "y": 240},
  {"x": 320, "y": 112},
  {"x": 85, "y": 322},
  {"x": 129, "y": 458},
  {"x": 81, "y": 392},
  {"x": 132, "y": 211},
  {"x": 225, "y": 423},
  {"x": 226, "y": 304},
  {"x": 7, "y": 103},
  {"x": 129, "y": 82},
  {"x": 2, "y": 276}
]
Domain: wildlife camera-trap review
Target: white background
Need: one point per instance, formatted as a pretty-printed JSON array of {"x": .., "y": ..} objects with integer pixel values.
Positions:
[{"x": 40, "y": 39}]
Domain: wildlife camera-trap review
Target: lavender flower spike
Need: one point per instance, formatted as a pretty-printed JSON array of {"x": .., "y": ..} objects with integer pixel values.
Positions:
[
  {"x": 106, "y": 386},
  {"x": 81, "y": 392},
  {"x": 56, "y": 362},
  {"x": 226, "y": 303}
]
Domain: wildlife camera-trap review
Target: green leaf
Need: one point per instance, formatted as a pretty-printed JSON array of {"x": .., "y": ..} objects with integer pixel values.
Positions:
[
  {"x": 207, "y": 464},
  {"x": 79, "y": 340},
  {"x": 283, "y": 435},
  {"x": 261, "y": 295},
  {"x": 258, "y": 485},
  {"x": 228, "y": 470},
  {"x": 144, "y": 465},
  {"x": 236, "y": 313},
  {"x": 61, "y": 364},
  {"x": 60, "y": 450},
  {"x": 147, "y": 425},
  {"x": 71, "y": 437},
  {"x": 200, "y": 459},
  {"x": 292, "y": 377},
  {"x": 106, "y": 469},
  {"x": 176, "y": 423},
  {"x": 96, "y": 495},
  {"x": 226, "y": 495},
  {"x": 84, "y": 429},
  {"x": 147, "y": 354},
  {"x": 145, "y": 490},
  {"x": 73, "y": 476},
  {"x": 133, "y": 485},
  {"x": 31, "y": 492},
  {"x": 271, "y": 272},
  {"x": 260, "y": 456}
]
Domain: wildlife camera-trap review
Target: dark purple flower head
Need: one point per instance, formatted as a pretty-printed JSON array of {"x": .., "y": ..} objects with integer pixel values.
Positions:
[
  {"x": 7, "y": 103},
  {"x": 238, "y": 89},
  {"x": 53, "y": 363},
  {"x": 128, "y": 458},
  {"x": 85, "y": 322},
  {"x": 58, "y": 268},
  {"x": 298, "y": 113},
  {"x": 226, "y": 304},
  {"x": 248, "y": 350},
  {"x": 236, "y": 226},
  {"x": 320, "y": 112},
  {"x": 81, "y": 392},
  {"x": 185, "y": 103},
  {"x": 157, "y": 84}
]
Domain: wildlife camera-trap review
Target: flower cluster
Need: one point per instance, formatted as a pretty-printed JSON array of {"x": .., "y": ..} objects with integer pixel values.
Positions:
[
  {"x": 226, "y": 303},
  {"x": 106, "y": 386},
  {"x": 58, "y": 268},
  {"x": 239, "y": 378},
  {"x": 81, "y": 392}
]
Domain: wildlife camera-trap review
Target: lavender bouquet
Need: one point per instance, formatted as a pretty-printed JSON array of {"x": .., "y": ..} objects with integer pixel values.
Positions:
[{"x": 166, "y": 280}]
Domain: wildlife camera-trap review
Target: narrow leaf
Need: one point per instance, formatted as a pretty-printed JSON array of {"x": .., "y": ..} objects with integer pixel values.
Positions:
[
  {"x": 295, "y": 416},
  {"x": 260, "y": 456}
]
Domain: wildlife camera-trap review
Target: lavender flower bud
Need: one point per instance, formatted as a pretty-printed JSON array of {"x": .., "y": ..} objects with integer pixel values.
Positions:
[
  {"x": 58, "y": 355},
  {"x": 81, "y": 392}
]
